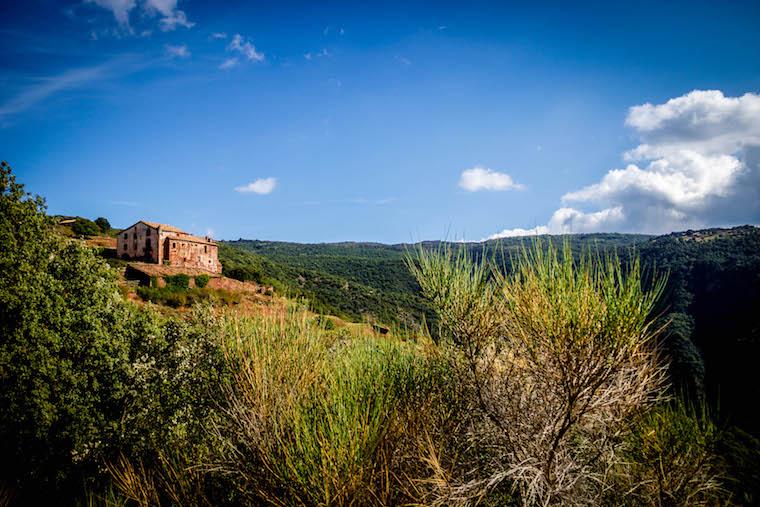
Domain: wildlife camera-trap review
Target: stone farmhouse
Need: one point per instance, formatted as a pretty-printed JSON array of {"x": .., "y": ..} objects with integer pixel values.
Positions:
[{"x": 164, "y": 244}]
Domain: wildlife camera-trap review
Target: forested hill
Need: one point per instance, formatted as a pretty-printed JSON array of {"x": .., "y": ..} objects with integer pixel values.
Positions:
[
  {"x": 712, "y": 297},
  {"x": 365, "y": 280},
  {"x": 370, "y": 280}
]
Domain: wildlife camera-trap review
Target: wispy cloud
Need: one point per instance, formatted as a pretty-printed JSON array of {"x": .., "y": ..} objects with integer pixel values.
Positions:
[
  {"x": 171, "y": 16},
  {"x": 245, "y": 48},
  {"x": 323, "y": 53},
  {"x": 261, "y": 186},
  {"x": 177, "y": 51},
  {"x": 406, "y": 62},
  {"x": 45, "y": 87},
  {"x": 352, "y": 200},
  {"x": 326, "y": 31},
  {"x": 218, "y": 35},
  {"x": 228, "y": 63},
  {"x": 119, "y": 8}
]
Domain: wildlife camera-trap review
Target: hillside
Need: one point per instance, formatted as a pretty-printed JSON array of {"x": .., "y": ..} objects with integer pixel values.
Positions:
[
  {"x": 712, "y": 294},
  {"x": 366, "y": 280}
]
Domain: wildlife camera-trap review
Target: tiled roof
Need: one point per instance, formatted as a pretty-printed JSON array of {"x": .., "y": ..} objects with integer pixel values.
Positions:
[
  {"x": 191, "y": 238},
  {"x": 165, "y": 227}
]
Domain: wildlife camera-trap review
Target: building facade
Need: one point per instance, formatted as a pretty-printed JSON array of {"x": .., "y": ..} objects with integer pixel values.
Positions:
[{"x": 167, "y": 245}]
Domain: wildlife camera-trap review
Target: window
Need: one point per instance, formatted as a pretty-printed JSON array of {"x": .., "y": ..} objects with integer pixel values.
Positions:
[
  {"x": 205, "y": 249},
  {"x": 126, "y": 234},
  {"x": 174, "y": 245}
]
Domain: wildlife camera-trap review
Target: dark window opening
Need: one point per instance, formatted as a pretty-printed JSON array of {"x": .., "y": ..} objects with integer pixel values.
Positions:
[
  {"x": 174, "y": 245},
  {"x": 125, "y": 235}
]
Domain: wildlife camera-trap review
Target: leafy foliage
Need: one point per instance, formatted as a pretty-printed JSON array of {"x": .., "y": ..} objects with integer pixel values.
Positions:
[
  {"x": 103, "y": 224},
  {"x": 85, "y": 227},
  {"x": 177, "y": 298},
  {"x": 64, "y": 349},
  {"x": 177, "y": 282},
  {"x": 85, "y": 376}
]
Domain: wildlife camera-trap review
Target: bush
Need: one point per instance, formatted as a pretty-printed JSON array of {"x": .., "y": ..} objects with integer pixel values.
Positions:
[
  {"x": 176, "y": 380},
  {"x": 84, "y": 376},
  {"x": 177, "y": 282},
  {"x": 201, "y": 281},
  {"x": 64, "y": 349},
  {"x": 177, "y": 298},
  {"x": 84, "y": 227},
  {"x": 557, "y": 357}
]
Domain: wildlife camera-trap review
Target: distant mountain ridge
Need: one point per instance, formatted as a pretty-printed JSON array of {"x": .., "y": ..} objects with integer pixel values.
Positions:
[{"x": 711, "y": 300}]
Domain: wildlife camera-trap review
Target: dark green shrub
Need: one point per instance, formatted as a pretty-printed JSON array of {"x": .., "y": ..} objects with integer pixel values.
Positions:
[
  {"x": 326, "y": 322},
  {"x": 177, "y": 282},
  {"x": 84, "y": 227},
  {"x": 201, "y": 281},
  {"x": 103, "y": 224},
  {"x": 64, "y": 349}
]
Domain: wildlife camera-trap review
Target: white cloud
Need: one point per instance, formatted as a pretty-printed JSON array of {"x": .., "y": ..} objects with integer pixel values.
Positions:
[
  {"x": 698, "y": 165},
  {"x": 228, "y": 63},
  {"x": 219, "y": 35},
  {"x": 261, "y": 186},
  {"x": 482, "y": 178},
  {"x": 171, "y": 17},
  {"x": 513, "y": 233},
  {"x": 177, "y": 51},
  {"x": 245, "y": 48},
  {"x": 570, "y": 221},
  {"x": 119, "y": 8}
]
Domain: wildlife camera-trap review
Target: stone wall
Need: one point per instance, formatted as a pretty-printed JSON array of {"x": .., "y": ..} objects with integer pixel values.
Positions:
[
  {"x": 186, "y": 252},
  {"x": 139, "y": 242}
]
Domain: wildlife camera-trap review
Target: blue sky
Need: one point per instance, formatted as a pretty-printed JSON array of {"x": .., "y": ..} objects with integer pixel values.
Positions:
[{"x": 394, "y": 122}]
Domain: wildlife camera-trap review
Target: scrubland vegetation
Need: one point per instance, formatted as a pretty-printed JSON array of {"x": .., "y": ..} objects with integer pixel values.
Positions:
[{"x": 541, "y": 386}]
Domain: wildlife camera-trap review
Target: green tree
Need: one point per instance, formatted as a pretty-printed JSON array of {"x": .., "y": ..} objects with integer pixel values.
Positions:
[
  {"x": 63, "y": 347},
  {"x": 84, "y": 227},
  {"x": 103, "y": 224}
]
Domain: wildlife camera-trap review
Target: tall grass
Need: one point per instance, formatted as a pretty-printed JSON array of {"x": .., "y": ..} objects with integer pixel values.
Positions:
[
  {"x": 544, "y": 387},
  {"x": 320, "y": 422},
  {"x": 670, "y": 458}
]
